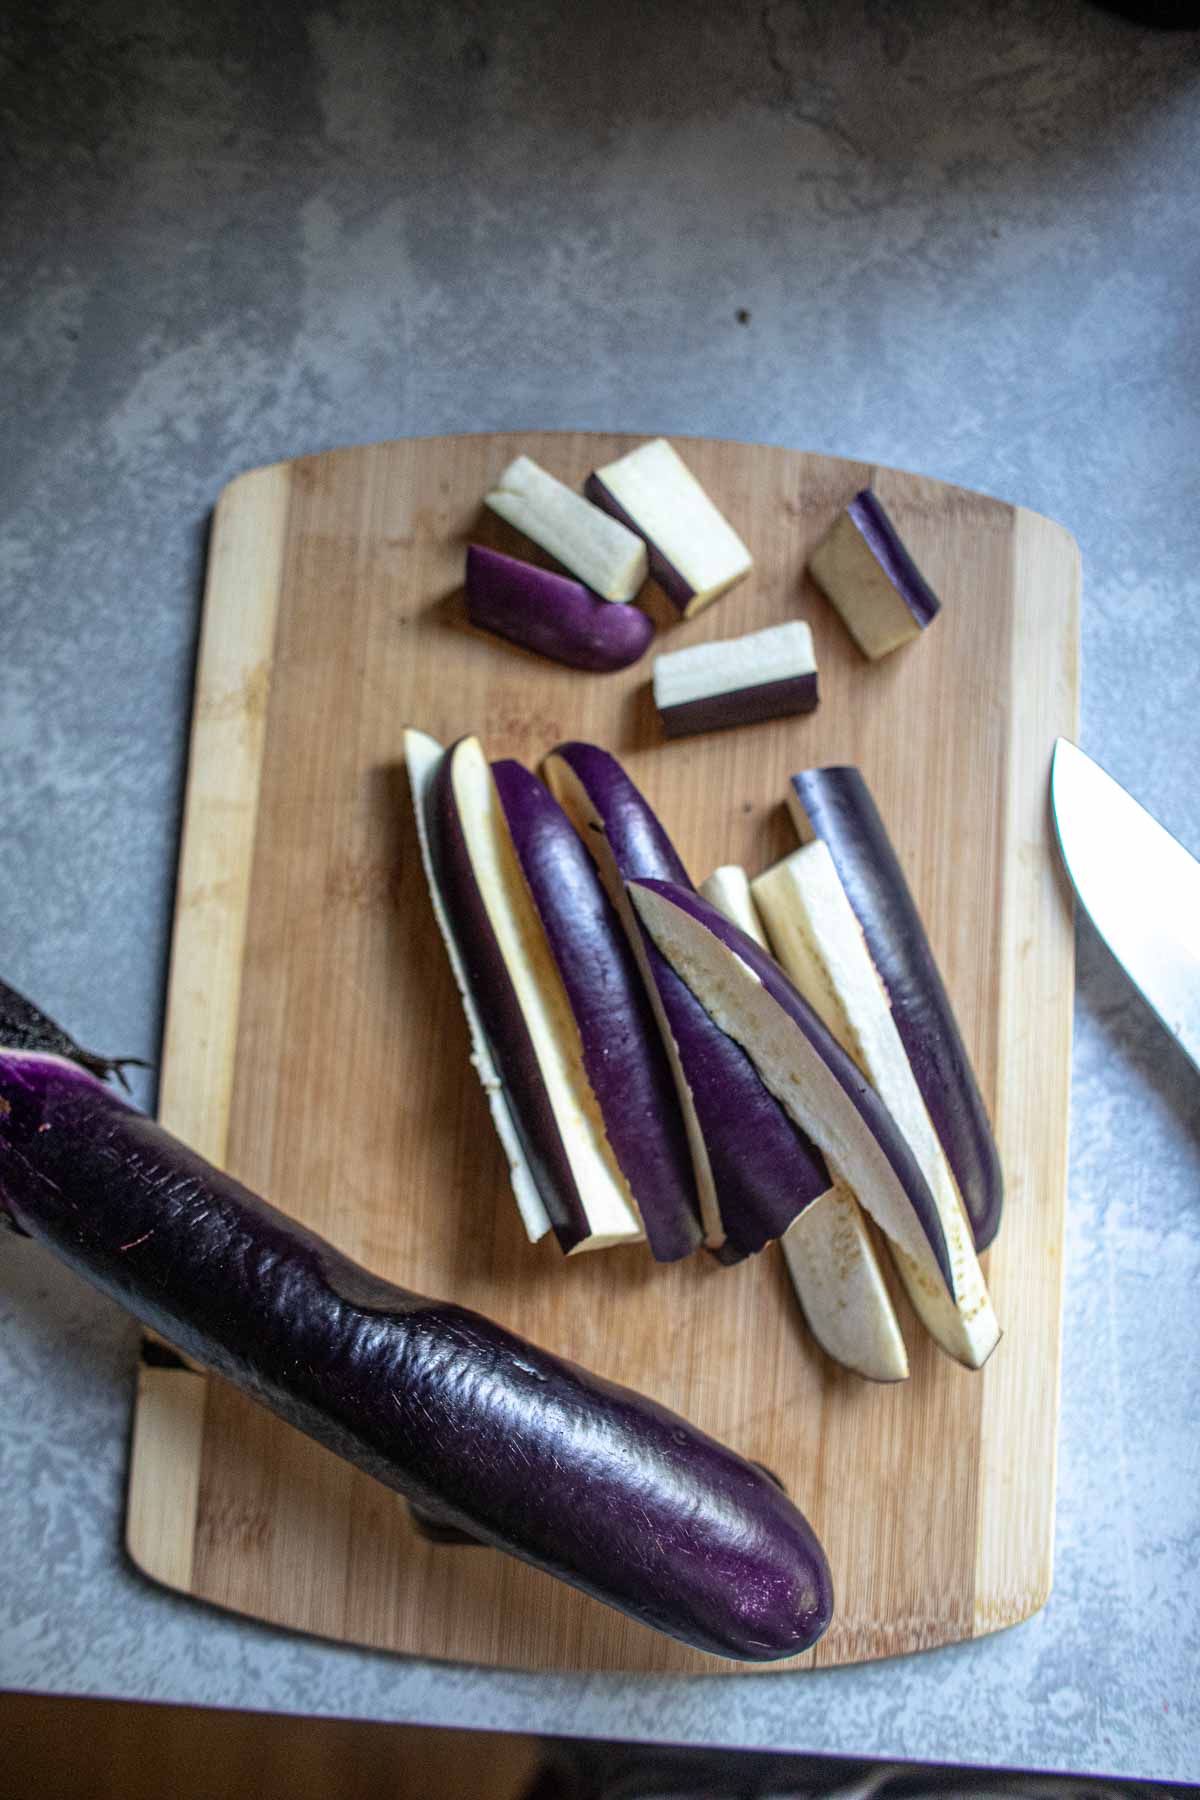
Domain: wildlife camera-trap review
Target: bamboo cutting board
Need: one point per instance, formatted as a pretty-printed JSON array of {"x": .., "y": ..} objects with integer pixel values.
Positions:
[{"x": 315, "y": 1045}]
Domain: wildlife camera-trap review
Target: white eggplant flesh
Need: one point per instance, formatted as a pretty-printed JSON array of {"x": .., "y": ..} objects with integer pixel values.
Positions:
[
  {"x": 603, "y": 553},
  {"x": 695, "y": 554},
  {"x": 729, "y": 890},
  {"x": 840, "y": 1286},
  {"x": 816, "y": 936}
]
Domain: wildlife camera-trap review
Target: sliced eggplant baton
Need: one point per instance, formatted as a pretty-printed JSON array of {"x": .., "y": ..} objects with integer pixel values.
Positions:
[
  {"x": 836, "y": 806},
  {"x": 623, "y": 1054},
  {"x": 755, "y": 1171},
  {"x": 511, "y": 972},
  {"x": 747, "y": 995}
]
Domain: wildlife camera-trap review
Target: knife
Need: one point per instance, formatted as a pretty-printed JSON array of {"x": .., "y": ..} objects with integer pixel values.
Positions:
[{"x": 1139, "y": 886}]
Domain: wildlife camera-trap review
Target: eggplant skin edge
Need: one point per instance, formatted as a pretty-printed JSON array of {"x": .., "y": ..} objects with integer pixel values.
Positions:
[
  {"x": 483, "y": 1431},
  {"x": 840, "y": 810}
]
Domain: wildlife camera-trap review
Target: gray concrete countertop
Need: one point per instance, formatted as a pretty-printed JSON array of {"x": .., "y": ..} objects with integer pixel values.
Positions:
[{"x": 956, "y": 238}]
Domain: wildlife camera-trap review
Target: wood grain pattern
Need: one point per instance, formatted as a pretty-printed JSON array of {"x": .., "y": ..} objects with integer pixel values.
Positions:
[{"x": 345, "y": 1095}]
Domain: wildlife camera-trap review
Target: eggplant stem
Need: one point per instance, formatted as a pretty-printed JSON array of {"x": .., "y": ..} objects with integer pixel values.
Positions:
[{"x": 24, "y": 1026}]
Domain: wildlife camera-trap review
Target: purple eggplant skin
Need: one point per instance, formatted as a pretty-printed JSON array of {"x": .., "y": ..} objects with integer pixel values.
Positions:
[
  {"x": 623, "y": 1052},
  {"x": 634, "y": 832},
  {"x": 553, "y": 615},
  {"x": 849, "y": 1077},
  {"x": 837, "y": 806},
  {"x": 742, "y": 706},
  {"x": 887, "y": 547},
  {"x": 678, "y": 590},
  {"x": 483, "y": 1432},
  {"x": 765, "y": 1171},
  {"x": 503, "y": 1020}
]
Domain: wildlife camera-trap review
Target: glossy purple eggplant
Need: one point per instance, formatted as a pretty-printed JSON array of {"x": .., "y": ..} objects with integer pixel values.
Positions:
[
  {"x": 755, "y": 1172},
  {"x": 553, "y": 615},
  {"x": 836, "y": 806},
  {"x": 483, "y": 1432},
  {"x": 867, "y": 571},
  {"x": 622, "y": 1049}
]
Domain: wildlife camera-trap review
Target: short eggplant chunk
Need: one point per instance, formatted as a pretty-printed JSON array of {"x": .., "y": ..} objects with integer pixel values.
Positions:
[
  {"x": 551, "y": 614},
  {"x": 755, "y": 1171},
  {"x": 828, "y": 1250},
  {"x": 836, "y": 806},
  {"x": 623, "y": 1053},
  {"x": 606, "y": 557},
  {"x": 517, "y": 987},
  {"x": 767, "y": 674},
  {"x": 748, "y": 996},
  {"x": 819, "y": 942},
  {"x": 695, "y": 554},
  {"x": 483, "y": 1432},
  {"x": 864, "y": 567}
]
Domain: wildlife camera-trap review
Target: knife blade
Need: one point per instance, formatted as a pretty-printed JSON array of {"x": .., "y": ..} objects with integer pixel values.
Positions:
[{"x": 1138, "y": 885}]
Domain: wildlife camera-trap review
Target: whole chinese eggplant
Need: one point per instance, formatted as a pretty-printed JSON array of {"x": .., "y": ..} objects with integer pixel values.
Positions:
[{"x": 482, "y": 1431}]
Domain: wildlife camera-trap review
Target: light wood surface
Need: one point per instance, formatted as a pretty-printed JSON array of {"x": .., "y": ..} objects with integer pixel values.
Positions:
[{"x": 316, "y": 1045}]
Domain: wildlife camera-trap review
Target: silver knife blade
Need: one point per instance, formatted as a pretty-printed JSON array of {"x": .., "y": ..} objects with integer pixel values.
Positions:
[{"x": 1138, "y": 884}]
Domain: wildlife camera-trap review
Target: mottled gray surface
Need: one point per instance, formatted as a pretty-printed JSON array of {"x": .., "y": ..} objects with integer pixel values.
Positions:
[{"x": 966, "y": 237}]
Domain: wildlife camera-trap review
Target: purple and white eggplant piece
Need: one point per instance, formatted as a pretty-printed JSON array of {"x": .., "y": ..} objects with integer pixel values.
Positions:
[
  {"x": 836, "y": 806},
  {"x": 818, "y": 940},
  {"x": 523, "y": 1005},
  {"x": 755, "y": 1173},
  {"x": 552, "y": 615},
  {"x": 695, "y": 554},
  {"x": 483, "y": 1432},
  {"x": 767, "y": 674},
  {"x": 423, "y": 757},
  {"x": 606, "y": 557},
  {"x": 623, "y": 1053},
  {"x": 828, "y": 1250},
  {"x": 749, "y": 997},
  {"x": 863, "y": 566}
]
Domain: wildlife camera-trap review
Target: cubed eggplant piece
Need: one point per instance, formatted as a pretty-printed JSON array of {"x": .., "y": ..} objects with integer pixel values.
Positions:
[
  {"x": 864, "y": 568},
  {"x": 695, "y": 554},
  {"x": 737, "y": 681},
  {"x": 597, "y": 548}
]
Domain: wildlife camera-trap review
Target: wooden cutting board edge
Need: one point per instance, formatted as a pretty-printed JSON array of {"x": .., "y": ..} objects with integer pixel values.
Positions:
[{"x": 232, "y": 691}]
